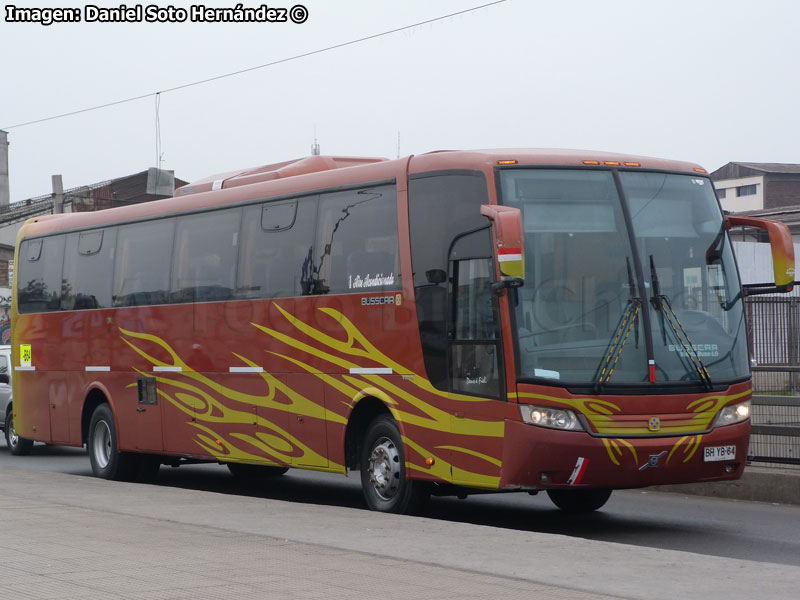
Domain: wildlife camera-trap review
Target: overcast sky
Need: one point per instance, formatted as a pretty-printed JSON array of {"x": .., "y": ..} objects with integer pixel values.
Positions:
[{"x": 705, "y": 81}]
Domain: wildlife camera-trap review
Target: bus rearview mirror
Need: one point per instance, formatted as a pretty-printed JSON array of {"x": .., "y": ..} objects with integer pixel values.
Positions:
[
  {"x": 780, "y": 241},
  {"x": 509, "y": 243}
]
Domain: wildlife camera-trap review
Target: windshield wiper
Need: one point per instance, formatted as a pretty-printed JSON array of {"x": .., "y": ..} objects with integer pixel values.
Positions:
[
  {"x": 627, "y": 322},
  {"x": 665, "y": 311}
]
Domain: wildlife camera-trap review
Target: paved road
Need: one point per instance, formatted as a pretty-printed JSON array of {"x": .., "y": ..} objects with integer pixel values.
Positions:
[
  {"x": 713, "y": 527},
  {"x": 67, "y": 537}
]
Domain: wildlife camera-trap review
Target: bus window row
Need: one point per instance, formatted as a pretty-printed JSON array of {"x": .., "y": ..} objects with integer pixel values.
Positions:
[{"x": 341, "y": 242}]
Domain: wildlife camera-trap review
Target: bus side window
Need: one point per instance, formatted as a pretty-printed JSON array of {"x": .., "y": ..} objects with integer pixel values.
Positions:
[
  {"x": 39, "y": 277},
  {"x": 140, "y": 278},
  {"x": 356, "y": 247},
  {"x": 88, "y": 269},
  {"x": 275, "y": 258},
  {"x": 204, "y": 261}
]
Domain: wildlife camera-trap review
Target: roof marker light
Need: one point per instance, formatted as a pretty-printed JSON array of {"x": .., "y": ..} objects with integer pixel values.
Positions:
[
  {"x": 632, "y": 164},
  {"x": 611, "y": 163},
  {"x": 506, "y": 162},
  {"x": 698, "y": 170},
  {"x": 591, "y": 162}
]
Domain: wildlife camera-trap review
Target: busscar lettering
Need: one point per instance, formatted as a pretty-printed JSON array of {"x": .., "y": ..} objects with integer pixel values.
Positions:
[
  {"x": 702, "y": 350},
  {"x": 43, "y": 16},
  {"x": 377, "y": 300}
]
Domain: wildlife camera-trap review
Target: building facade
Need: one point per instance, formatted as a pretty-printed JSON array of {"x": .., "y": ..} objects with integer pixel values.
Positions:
[
  {"x": 745, "y": 186},
  {"x": 152, "y": 184}
]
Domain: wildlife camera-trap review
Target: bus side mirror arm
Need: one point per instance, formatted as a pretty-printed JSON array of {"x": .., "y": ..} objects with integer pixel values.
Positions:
[
  {"x": 507, "y": 283},
  {"x": 780, "y": 241}
]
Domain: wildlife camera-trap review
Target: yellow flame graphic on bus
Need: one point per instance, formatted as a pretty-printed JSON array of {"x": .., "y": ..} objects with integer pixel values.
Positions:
[
  {"x": 603, "y": 416},
  {"x": 229, "y": 425}
]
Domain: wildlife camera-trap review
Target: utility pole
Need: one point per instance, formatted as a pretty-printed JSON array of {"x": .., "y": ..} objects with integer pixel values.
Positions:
[
  {"x": 58, "y": 194},
  {"x": 5, "y": 189}
]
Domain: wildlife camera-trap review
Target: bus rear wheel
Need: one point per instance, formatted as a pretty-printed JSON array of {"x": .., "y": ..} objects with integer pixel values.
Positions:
[
  {"x": 17, "y": 445},
  {"x": 107, "y": 461},
  {"x": 579, "y": 501},
  {"x": 383, "y": 471}
]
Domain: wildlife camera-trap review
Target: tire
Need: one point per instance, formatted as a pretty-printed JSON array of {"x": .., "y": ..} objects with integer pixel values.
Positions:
[
  {"x": 147, "y": 468},
  {"x": 255, "y": 472},
  {"x": 579, "y": 501},
  {"x": 107, "y": 461},
  {"x": 17, "y": 445},
  {"x": 383, "y": 471}
]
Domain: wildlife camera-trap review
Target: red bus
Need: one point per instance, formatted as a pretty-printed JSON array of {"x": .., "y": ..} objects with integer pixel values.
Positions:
[{"x": 453, "y": 322}]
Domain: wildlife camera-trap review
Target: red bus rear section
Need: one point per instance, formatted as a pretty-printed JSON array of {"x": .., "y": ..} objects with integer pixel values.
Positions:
[{"x": 493, "y": 320}]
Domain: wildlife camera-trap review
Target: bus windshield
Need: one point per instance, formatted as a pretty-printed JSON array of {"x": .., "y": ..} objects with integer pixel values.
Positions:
[{"x": 630, "y": 279}]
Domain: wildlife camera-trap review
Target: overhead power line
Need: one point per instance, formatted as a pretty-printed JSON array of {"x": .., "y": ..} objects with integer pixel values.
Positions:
[{"x": 257, "y": 67}]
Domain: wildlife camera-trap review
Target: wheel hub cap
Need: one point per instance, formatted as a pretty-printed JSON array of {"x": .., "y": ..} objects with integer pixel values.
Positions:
[
  {"x": 102, "y": 444},
  {"x": 384, "y": 468}
]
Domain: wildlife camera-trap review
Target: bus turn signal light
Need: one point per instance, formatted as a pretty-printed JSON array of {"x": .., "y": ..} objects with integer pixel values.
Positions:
[{"x": 429, "y": 461}]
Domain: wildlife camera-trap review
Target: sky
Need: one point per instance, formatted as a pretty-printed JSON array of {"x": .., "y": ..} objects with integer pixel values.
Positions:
[{"x": 698, "y": 80}]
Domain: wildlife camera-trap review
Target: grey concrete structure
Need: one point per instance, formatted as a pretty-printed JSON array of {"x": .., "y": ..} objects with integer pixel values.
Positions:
[
  {"x": 74, "y": 537},
  {"x": 5, "y": 192}
]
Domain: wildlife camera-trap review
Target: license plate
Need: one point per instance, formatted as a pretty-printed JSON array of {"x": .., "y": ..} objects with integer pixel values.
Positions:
[{"x": 714, "y": 453}]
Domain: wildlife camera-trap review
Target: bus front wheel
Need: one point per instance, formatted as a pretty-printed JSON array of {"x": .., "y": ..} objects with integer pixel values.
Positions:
[
  {"x": 17, "y": 445},
  {"x": 383, "y": 471},
  {"x": 579, "y": 501},
  {"x": 107, "y": 461}
]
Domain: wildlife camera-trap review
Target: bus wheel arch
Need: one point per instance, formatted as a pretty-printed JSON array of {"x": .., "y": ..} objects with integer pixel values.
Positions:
[
  {"x": 94, "y": 398},
  {"x": 364, "y": 413}
]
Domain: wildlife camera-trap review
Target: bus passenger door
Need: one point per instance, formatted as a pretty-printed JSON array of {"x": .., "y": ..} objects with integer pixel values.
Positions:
[
  {"x": 474, "y": 329},
  {"x": 475, "y": 361},
  {"x": 148, "y": 416}
]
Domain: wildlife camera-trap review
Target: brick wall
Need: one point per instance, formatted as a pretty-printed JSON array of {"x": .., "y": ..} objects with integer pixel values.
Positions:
[{"x": 782, "y": 190}]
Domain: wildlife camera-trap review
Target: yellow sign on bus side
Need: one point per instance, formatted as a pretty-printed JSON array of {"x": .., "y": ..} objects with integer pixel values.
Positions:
[{"x": 25, "y": 355}]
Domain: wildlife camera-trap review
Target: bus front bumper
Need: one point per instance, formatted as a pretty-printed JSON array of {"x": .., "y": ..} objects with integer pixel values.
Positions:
[{"x": 540, "y": 458}]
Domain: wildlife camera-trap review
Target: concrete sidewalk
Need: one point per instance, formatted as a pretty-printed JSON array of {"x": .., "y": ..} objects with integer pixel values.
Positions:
[{"x": 64, "y": 536}]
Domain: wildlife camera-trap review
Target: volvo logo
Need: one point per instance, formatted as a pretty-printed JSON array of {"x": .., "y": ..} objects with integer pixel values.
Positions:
[
  {"x": 654, "y": 424},
  {"x": 652, "y": 461}
]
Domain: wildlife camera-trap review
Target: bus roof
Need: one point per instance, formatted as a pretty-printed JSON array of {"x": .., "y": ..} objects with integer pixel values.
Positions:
[
  {"x": 327, "y": 172},
  {"x": 459, "y": 159},
  {"x": 281, "y": 170}
]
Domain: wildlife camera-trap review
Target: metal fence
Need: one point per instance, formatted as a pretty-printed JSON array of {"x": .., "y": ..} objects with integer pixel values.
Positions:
[
  {"x": 775, "y": 417},
  {"x": 774, "y": 338}
]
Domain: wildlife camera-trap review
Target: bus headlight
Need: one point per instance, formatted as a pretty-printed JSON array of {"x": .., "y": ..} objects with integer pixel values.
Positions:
[
  {"x": 735, "y": 413},
  {"x": 554, "y": 418}
]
